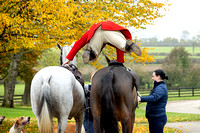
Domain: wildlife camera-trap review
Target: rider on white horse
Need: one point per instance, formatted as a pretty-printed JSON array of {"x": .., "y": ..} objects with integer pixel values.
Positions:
[{"x": 100, "y": 34}]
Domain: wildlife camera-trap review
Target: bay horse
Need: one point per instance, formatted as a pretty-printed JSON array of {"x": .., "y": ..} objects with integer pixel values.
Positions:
[
  {"x": 113, "y": 98},
  {"x": 55, "y": 92}
]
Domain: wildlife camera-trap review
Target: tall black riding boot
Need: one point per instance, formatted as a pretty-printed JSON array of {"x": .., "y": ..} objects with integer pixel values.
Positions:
[{"x": 132, "y": 47}]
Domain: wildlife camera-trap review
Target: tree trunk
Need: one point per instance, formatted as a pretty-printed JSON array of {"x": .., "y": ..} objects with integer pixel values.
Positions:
[
  {"x": 10, "y": 80},
  {"x": 26, "y": 97}
]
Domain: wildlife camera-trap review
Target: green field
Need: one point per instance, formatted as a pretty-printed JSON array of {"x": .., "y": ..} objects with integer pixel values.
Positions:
[
  {"x": 168, "y": 49},
  {"x": 140, "y": 120},
  {"x": 27, "y": 111},
  {"x": 13, "y": 113},
  {"x": 19, "y": 89},
  {"x": 162, "y": 57}
]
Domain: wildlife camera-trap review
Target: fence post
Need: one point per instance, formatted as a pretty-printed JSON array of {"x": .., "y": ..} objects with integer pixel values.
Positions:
[
  {"x": 192, "y": 91},
  {"x": 179, "y": 92}
]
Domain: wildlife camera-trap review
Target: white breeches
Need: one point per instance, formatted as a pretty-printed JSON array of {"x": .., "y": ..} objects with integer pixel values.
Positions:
[{"x": 100, "y": 37}]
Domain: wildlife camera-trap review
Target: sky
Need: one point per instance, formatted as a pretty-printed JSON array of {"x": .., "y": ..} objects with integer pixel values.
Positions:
[{"x": 182, "y": 15}]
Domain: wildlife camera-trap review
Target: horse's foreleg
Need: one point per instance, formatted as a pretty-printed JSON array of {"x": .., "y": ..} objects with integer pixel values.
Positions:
[
  {"x": 62, "y": 124},
  {"x": 79, "y": 122}
]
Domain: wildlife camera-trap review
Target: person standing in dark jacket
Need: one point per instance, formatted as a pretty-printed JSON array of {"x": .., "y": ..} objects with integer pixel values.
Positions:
[
  {"x": 88, "y": 118},
  {"x": 156, "y": 103}
]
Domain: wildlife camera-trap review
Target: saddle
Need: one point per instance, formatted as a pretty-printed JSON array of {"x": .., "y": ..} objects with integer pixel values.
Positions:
[{"x": 77, "y": 74}]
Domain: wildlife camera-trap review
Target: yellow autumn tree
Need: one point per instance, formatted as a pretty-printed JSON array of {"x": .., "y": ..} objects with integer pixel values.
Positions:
[{"x": 38, "y": 24}]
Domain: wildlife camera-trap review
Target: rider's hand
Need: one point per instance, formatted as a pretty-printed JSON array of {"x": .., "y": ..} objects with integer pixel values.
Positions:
[{"x": 66, "y": 62}]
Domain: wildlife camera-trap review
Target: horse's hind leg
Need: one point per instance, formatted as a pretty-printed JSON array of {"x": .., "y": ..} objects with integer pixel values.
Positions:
[
  {"x": 96, "y": 124},
  {"x": 79, "y": 122},
  {"x": 133, "y": 119},
  {"x": 62, "y": 124},
  {"x": 127, "y": 125}
]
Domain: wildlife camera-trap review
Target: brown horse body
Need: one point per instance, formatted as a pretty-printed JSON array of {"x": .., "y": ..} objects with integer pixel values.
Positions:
[{"x": 113, "y": 99}]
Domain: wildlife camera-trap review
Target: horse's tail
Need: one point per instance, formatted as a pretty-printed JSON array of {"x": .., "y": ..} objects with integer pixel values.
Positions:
[
  {"x": 108, "y": 119},
  {"x": 46, "y": 124}
]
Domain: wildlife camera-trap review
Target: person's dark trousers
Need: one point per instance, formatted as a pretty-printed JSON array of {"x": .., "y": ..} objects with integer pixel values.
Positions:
[
  {"x": 88, "y": 122},
  {"x": 156, "y": 124}
]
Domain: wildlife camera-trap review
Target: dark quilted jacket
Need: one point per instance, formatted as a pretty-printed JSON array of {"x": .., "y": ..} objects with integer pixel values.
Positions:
[{"x": 157, "y": 100}]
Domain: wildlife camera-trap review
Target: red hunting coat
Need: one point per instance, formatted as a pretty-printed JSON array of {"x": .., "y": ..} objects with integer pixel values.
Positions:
[{"x": 105, "y": 25}]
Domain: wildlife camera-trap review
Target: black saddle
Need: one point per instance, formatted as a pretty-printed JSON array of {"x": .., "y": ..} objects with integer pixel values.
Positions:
[{"x": 76, "y": 72}]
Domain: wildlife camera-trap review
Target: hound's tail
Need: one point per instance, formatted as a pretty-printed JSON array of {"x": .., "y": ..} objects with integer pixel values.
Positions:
[
  {"x": 46, "y": 124},
  {"x": 108, "y": 119}
]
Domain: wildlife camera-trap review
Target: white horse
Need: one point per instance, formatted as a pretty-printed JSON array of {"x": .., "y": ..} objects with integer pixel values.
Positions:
[{"x": 56, "y": 93}]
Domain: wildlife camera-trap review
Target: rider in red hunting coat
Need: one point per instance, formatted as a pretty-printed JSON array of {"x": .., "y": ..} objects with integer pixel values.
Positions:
[{"x": 100, "y": 34}]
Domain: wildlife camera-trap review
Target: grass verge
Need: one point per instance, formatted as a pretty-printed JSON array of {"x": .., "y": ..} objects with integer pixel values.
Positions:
[{"x": 140, "y": 121}]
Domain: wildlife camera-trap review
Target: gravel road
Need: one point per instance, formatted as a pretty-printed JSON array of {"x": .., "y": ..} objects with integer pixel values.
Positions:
[{"x": 185, "y": 106}]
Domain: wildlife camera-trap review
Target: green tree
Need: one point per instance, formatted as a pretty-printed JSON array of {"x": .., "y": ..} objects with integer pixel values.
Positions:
[
  {"x": 177, "y": 65},
  {"x": 49, "y": 57},
  {"x": 193, "y": 77},
  {"x": 195, "y": 42},
  {"x": 4, "y": 65},
  {"x": 184, "y": 36},
  {"x": 27, "y": 70},
  {"x": 170, "y": 40}
]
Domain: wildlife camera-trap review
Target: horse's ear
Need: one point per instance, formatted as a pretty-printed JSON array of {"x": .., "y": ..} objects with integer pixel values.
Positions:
[
  {"x": 58, "y": 45},
  {"x": 107, "y": 59}
]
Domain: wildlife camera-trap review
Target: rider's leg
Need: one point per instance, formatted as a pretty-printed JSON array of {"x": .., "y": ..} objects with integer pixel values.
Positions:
[
  {"x": 94, "y": 47},
  {"x": 96, "y": 42},
  {"x": 117, "y": 39},
  {"x": 120, "y": 55}
]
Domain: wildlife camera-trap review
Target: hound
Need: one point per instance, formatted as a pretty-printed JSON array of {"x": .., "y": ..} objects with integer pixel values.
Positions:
[
  {"x": 19, "y": 125},
  {"x": 1, "y": 119}
]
